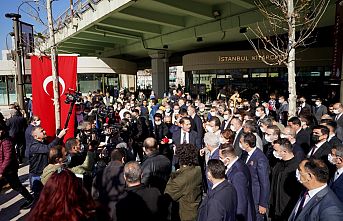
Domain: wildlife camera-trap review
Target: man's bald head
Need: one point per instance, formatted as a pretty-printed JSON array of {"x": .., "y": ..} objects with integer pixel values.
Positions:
[{"x": 150, "y": 145}]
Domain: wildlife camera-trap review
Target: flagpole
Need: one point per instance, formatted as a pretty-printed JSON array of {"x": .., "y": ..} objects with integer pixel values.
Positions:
[{"x": 53, "y": 65}]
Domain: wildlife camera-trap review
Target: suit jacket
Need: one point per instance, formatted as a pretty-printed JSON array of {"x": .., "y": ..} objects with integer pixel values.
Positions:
[
  {"x": 318, "y": 112},
  {"x": 339, "y": 129},
  {"x": 219, "y": 204},
  {"x": 337, "y": 187},
  {"x": 239, "y": 175},
  {"x": 197, "y": 125},
  {"x": 323, "y": 152},
  {"x": 303, "y": 139},
  {"x": 324, "y": 206},
  {"x": 259, "y": 170},
  {"x": 238, "y": 150},
  {"x": 334, "y": 141},
  {"x": 193, "y": 138}
]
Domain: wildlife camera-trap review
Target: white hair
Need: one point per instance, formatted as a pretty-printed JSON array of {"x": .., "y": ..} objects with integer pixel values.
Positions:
[{"x": 211, "y": 139}]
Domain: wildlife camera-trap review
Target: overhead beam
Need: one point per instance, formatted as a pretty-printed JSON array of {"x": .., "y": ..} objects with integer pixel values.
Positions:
[
  {"x": 243, "y": 4},
  {"x": 189, "y": 7},
  {"x": 112, "y": 33},
  {"x": 91, "y": 47},
  {"x": 154, "y": 17},
  {"x": 74, "y": 50},
  {"x": 97, "y": 38},
  {"x": 88, "y": 42},
  {"x": 136, "y": 26}
]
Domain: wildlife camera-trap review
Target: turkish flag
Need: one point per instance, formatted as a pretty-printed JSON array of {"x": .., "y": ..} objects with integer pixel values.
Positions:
[{"x": 43, "y": 95}]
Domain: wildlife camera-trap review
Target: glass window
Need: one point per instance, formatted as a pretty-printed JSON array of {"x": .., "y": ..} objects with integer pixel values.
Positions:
[{"x": 3, "y": 91}]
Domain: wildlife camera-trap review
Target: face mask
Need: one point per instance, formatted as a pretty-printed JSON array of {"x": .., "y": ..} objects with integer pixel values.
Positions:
[
  {"x": 158, "y": 122},
  {"x": 201, "y": 109},
  {"x": 226, "y": 117},
  {"x": 222, "y": 140},
  {"x": 276, "y": 155},
  {"x": 241, "y": 146},
  {"x": 318, "y": 103},
  {"x": 196, "y": 104},
  {"x": 303, "y": 123},
  {"x": 258, "y": 114},
  {"x": 336, "y": 112},
  {"x": 330, "y": 159},
  {"x": 209, "y": 129},
  {"x": 284, "y": 136},
  {"x": 213, "y": 114},
  {"x": 297, "y": 175},
  {"x": 280, "y": 101},
  {"x": 263, "y": 130},
  {"x": 232, "y": 128},
  {"x": 167, "y": 109},
  {"x": 37, "y": 123},
  {"x": 176, "y": 111},
  {"x": 315, "y": 138},
  {"x": 268, "y": 138}
]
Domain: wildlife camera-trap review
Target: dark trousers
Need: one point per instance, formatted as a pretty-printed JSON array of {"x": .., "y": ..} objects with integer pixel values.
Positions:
[{"x": 14, "y": 182}]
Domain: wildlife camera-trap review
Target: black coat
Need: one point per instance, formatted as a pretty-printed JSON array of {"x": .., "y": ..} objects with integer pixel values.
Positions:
[
  {"x": 140, "y": 203},
  {"x": 197, "y": 125},
  {"x": 303, "y": 139},
  {"x": 219, "y": 204},
  {"x": 38, "y": 155},
  {"x": 282, "y": 197},
  {"x": 193, "y": 138},
  {"x": 156, "y": 171},
  {"x": 108, "y": 186},
  {"x": 334, "y": 141}
]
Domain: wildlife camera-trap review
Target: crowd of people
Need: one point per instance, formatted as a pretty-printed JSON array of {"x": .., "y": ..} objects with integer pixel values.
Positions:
[{"x": 136, "y": 157}]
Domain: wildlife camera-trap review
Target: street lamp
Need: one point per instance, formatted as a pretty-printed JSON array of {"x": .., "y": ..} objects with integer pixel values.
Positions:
[{"x": 17, "y": 35}]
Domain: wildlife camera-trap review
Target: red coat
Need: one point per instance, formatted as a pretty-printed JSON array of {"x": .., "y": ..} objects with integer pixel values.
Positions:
[{"x": 8, "y": 158}]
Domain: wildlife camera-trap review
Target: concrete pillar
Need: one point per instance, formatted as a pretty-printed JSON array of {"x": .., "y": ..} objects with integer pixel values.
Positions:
[{"x": 160, "y": 72}]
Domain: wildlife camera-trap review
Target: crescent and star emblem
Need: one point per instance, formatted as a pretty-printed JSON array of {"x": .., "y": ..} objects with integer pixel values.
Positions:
[{"x": 50, "y": 79}]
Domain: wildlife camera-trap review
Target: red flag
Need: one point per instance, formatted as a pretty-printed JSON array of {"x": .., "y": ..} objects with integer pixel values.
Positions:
[{"x": 42, "y": 91}]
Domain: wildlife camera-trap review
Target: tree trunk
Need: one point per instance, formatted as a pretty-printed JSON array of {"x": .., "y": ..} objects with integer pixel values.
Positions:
[{"x": 291, "y": 61}]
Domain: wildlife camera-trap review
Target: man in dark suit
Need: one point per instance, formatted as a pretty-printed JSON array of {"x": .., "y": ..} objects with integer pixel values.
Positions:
[
  {"x": 237, "y": 172},
  {"x": 221, "y": 201},
  {"x": 196, "y": 122},
  {"x": 302, "y": 137},
  {"x": 236, "y": 126},
  {"x": 259, "y": 170},
  {"x": 338, "y": 111},
  {"x": 289, "y": 134},
  {"x": 319, "y": 110},
  {"x": 336, "y": 181},
  {"x": 227, "y": 118},
  {"x": 322, "y": 148},
  {"x": 186, "y": 135},
  {"x": 332, "y": 139},
  {"x": 319, "y": 202},
  {"x": 303, "y": 106},
  {"x": 145, "y": 201},
  {"x": 282, "y": 197}
]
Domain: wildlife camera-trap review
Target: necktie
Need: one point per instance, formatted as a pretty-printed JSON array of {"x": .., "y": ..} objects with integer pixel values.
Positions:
[
  {"x": 184, "y": 141},
  {"x": 312, "y": 151},
  {"x": 301, "y": 205}
]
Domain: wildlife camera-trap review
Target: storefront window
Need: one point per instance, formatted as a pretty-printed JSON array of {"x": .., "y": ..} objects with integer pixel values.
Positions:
[{"x": 3, "y": 91}]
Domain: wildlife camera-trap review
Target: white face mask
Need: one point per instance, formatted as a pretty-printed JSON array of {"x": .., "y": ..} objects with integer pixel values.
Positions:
[
  {"x": 232, "y": 128},
  {"x": 317, "y": 103},
  {"x": 263, "y": 130},
  {"x": 336, "y": 111},
  {"x": 284, "y": 136},
  {"x": 281, "y": 101},
  {"x": 297, "y": 175},
  {"x": 330, "y": 159},
  {"x": 222, "y": 140},
  {"x": 209, "y": 128},
  {"x": 158, "y": 122},
  {"x": 268, "y": 138},
  {"x": 276, "y": 155},
  {"x": 258, "y": 114},
  {"x": 213, "y": 114},
  {"x": 37, "y": 123},
  {"x": 226, "y": 117},
  {"x": 241, "y": 146}
]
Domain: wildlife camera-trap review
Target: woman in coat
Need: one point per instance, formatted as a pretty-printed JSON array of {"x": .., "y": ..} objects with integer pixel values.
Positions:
[{"x": 185, "y": 185}]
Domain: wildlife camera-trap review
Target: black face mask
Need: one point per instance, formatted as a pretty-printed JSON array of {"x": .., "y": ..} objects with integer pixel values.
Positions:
[
  {"x": 169, "y": 124},
  {"x": 315, "y": 138}
]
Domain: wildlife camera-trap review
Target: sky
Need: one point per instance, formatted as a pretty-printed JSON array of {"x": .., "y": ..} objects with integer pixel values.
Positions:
[{"x": 11, "y": 6}]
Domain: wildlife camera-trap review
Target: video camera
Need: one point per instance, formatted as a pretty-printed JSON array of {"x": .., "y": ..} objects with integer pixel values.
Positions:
[{"x": 73, "y": 96}]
